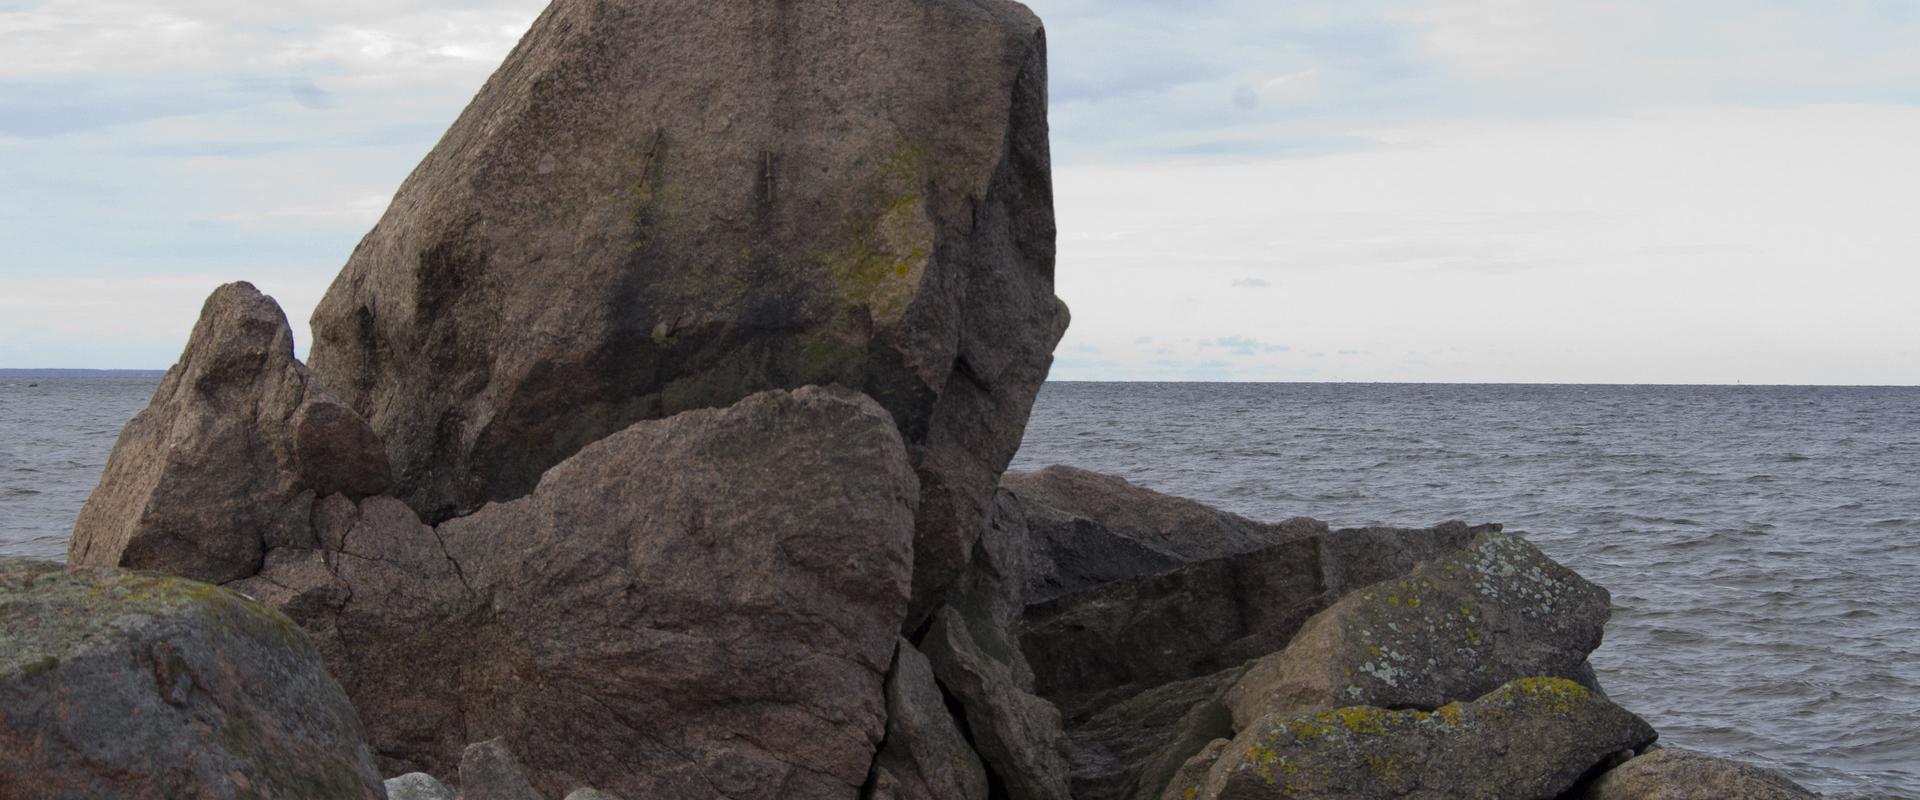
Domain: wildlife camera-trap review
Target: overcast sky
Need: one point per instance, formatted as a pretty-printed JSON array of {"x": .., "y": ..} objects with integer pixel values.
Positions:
[{"x": 1653, "y": 191}]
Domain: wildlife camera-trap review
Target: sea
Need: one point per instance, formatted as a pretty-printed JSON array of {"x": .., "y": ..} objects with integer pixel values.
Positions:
[{"x": 1761, "y": 543}]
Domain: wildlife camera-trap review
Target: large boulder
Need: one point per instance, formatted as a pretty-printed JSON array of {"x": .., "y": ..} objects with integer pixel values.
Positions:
[
  {"x": 1529, "y": 739},
  {"x": 1676, "y": 774},
  {"x": 653, "y": 207},
  {"x": 698, "y": 607},
  {"x": 1453, "y": 629},
  {"x": 1118, "y": 639},
  {"x": 142, "y": 687},
  {"x": 228, "y": 458}
]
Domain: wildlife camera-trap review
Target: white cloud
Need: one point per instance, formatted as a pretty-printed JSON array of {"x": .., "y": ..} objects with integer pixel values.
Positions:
[{"x": 1678, "y": 246}]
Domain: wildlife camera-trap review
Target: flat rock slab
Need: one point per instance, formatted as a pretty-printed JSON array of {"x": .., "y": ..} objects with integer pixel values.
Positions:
[
  {"x": 1530, "y": 739},
  {"x": 141, "y": 687}
]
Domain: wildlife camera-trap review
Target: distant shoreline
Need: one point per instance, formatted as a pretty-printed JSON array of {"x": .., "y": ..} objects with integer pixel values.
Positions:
[{"x": 82, "y": 373}]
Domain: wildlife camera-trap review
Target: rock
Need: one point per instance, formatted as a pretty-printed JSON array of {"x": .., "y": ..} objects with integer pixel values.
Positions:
[
  {"x": 1176, "y": 527},
  {"x": 974, "y": 649},
  {"x": 1114, "y": 641},
  {"x": 696, "y": 607},
  {"x": 925, "y": 757},
  {"x": 227, "y": 459},
  {"x": 417, "y": 786},
  {"x": 589, "y": 794},
  {"x": 1018, "y": 735},
  {"x": 488, "y": 771},
  {"x": 654, "y": 207},
  {"x": 1529, "y": 739},
  {"x": 1675, "y": 774},
  {"x": 127, "y": 685},
  {"x": 1071, "y": 553},
  {"x": 1453, "y": 629},
  {"x": 1134, "y": 747}
]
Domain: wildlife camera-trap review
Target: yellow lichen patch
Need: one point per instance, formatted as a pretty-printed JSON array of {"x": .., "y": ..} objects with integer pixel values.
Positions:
[
  {"x": 1558, "y": 695},
  {"x": 1365, "y": 720},
  {"x": 1413, "y": 602},
  {"x": 1449, "y": 713}
]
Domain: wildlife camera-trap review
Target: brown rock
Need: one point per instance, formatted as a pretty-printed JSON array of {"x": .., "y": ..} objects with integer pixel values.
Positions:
[
  {"x": 1675, "y": 774},
  {"x": 699, "y": 607},
  {"x": 227, "y": 459},
  {"x": 139, "y": 687},
  {"x": 1453, "y": 629},
  {"x": 925, "y": 757},
  {"x": 653, "y": 207},
  {"x": 1529, "y": 739},
  {"x": 974, "y": 648}
]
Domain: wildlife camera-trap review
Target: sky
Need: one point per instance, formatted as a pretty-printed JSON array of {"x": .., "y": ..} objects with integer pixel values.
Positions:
[{"x": 1560, "y": 191}]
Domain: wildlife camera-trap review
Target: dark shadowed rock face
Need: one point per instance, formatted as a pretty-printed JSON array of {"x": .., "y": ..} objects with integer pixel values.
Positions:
[
  {"x": 699, "y": 607},
  {"x": 1453, "y": 629},
  {"x": 1090, "y": 648},
  {"x": 140, "y": 687},
  {"x": 653, "y": 207},
  {"x": 228, "y": 458},
  {"x": 1675, "y": 774},
  {"x": 1529, "y": 739}
]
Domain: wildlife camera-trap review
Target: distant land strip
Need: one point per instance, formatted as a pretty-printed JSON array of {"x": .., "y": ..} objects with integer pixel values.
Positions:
[{"x": 82, "y": 373}]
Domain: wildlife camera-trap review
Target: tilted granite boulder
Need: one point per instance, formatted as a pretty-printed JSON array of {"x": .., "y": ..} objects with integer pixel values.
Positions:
[
  {"x": 1453, "y": 629},
  {"x": 925, "y": 757},
  {"x": 1115, "y": 640},
  {"x": 1183, "y": 529},
  {"x": 141, "y": 687},
  {"x": 1131, "y": 749},
  {"x": 1527, "y": 740},
  {"x": 653, "y": 207},
  {"x": 1676, "y": 774},
  {"x": 228, "y": 458}
]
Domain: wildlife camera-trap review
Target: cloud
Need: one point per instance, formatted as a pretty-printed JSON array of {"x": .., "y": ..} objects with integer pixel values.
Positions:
[
  {"x": 1242, "y": 346},
  {"x": 1252, "y": 283}
]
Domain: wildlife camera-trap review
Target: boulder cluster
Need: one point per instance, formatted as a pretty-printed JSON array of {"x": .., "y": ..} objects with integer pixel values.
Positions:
[{"x": 654, "y": 445}]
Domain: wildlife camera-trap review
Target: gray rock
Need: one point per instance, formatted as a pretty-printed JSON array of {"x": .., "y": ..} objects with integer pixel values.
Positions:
[
  {"x": 488, "y": 771},
  {"x": 1176, "y": 527},
  {"x": 128, "y": 685},
  {"x": 1453, "y": 629},
  {"x": 589, "y": 794},
  {"x": 227, "y": 459},
  {"x": 654, "y": 207},
  {"x": 925, "y": 757},
  {"x": 1090, "y": 648},
  {"x": 1529, "y": 739},
  {"x": 417, "y": 786},
  {"x": 1676, "y": 774}
]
